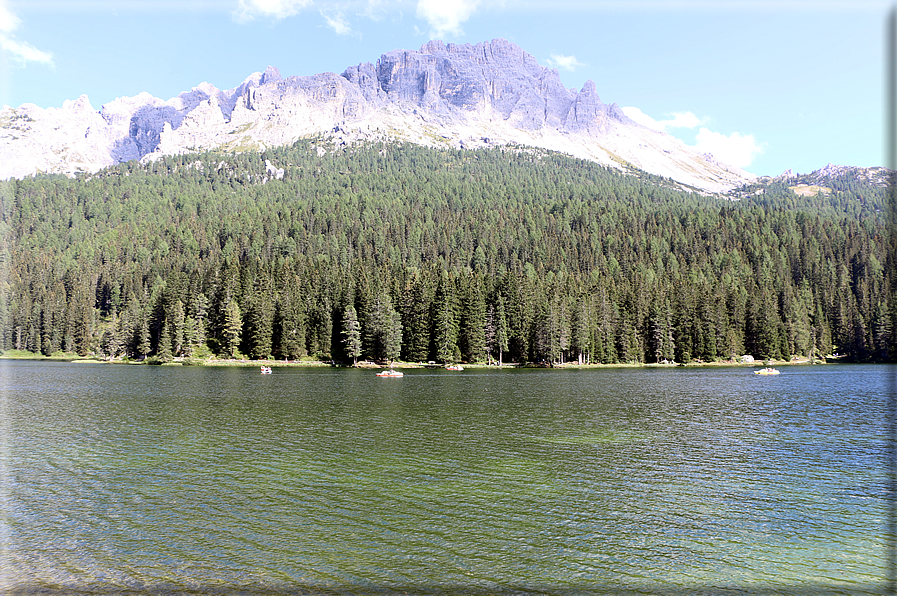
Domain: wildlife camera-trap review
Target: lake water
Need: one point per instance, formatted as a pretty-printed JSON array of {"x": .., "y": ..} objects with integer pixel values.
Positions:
[{"x": 185, "y": 480}]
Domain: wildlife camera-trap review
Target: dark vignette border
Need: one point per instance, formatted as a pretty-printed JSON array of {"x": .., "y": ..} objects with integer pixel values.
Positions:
[
  {"x": 423, "y": 590},
  {"x": 890, "y": 140},
  {"x": 889, "y": 588}
]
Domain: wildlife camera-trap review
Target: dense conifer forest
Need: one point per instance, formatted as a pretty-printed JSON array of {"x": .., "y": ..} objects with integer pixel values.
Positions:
[{"x": 389, "y": 252}]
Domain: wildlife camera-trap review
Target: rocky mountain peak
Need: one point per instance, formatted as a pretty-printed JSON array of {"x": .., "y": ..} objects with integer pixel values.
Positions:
[
  {"x": 495, "y": 77},
  {"x": 82, "y": 104},
  {"x": 270, "y": 75}
]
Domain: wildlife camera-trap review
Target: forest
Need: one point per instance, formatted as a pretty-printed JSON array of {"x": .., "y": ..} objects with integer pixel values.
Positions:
[{"x": 386, "y": 251}]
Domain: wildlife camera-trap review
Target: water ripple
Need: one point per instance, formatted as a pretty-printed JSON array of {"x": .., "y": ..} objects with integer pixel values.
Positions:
[{"x": 149, "y": 480}]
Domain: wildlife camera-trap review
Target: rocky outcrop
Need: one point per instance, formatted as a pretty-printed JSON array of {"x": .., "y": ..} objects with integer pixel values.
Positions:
[
  {"x": 441, "y": 95},
  {"x": 496, "y": 81},
  {"x": 831, "y": 173}
]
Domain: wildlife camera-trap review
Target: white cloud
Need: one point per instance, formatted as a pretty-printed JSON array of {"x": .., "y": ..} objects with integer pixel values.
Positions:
[
  {"x": 9, "y": 22},
  {"x": 735, "y": 149},
  {"x": 22, "y": 52},
  {"x": 641, "y": 117},
  {"x": 247, "y": 10},
  {"x": 564, "y": 62},
  {"x": 679, "y": 119},
  {"x": 339, "y": 24},
  {"x": 446, "y": 16},
  {"x": 682, "y": 120},
  {"x": 376, "y": 10}
]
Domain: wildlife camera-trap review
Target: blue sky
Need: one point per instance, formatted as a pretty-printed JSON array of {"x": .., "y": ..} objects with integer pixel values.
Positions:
[{"x": 766, "y": 85}]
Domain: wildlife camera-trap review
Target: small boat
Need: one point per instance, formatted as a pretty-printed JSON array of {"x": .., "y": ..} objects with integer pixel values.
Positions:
[
  {"x": 266, "y": 370},
  {"x": 766, "y": 371},
  {"x": 454, "y": 367},
  {"x": 390, "y": 373}
]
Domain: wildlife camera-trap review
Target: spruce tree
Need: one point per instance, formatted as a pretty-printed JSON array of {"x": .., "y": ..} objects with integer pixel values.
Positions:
[
  {"x": 352, "y": 334},
  {"x": 163, "y": 351},
  {"x": 178, "y": 322},
  {"x": 472, "y": 340},
  {"x": 416, "y": 319},
  {"x": 385, "y": 329},
  {"x": 445, "y": 327},
  {"x": 259, "y": 328},
  {"x": 143, "y": 337},
  {"x": 232, "y": 329},
  {"x": 501, "y": 329},
  {"x": 289, "y": 329}
]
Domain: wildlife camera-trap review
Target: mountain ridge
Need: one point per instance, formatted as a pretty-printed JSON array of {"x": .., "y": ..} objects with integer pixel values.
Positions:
[{"x": 442, "y": 95}]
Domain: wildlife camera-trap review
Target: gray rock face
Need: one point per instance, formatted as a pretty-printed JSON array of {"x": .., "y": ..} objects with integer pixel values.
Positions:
[
  {"x": 442, "y": 95},
  {"x": 498, "y": 76}
]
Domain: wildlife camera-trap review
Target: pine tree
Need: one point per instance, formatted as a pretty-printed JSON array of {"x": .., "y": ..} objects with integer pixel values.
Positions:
[
  {"x": 190, "y": 333},
  {"x": 319, "y": 328},
  {"x": 352, "y": 334},
  {"x": 232, "y": 329},
  {"x": 519, "y": 308},
  {"x": 661, "y": 343},
  {"x": 472, "y": 340},
  {"x": 163, "y": 351},
  {"x": 445, "y": 327},
  {"x": 178, "y": 341},
  {"x": 111, "y": 342},
  {"x": 552, "y": 330},
  {"x": 580, "y": 325},
  {"x": 881, "y": 330},
  {"x": 489, "y": 334},
  {"x": 143, "y": 337},
  {"x": 385, "y": 329},
  {"x": 289, "y": 329},
  {"x": 83, "y": 330},
  {"x": 393, "y": 340},
  {"x": 416, "y": 318},
  {"x": 259, "y": 328},
  {"x": 200, "y": 315},
  {"x": 501, "y": 329}
]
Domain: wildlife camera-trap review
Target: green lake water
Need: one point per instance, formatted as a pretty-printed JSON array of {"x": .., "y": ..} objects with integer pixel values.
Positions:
[{"x": 184, "y": 480}]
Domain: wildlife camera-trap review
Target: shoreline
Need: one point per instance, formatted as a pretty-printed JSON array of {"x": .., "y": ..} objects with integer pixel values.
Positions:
[{"x": 225, "y": 362}]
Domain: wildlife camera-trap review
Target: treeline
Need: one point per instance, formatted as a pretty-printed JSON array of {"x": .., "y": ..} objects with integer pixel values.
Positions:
[{"x": 401, "y": 252}]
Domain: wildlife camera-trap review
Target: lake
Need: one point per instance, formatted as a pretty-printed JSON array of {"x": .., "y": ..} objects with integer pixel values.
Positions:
[{"x": 141, "y": 480}]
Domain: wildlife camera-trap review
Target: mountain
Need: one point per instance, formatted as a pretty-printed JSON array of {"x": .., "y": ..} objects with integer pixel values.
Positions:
[
  {"x": 443, "y": 95},
  {"x": 832, "y": 177},
  {"x": 824, "y": 181}
]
